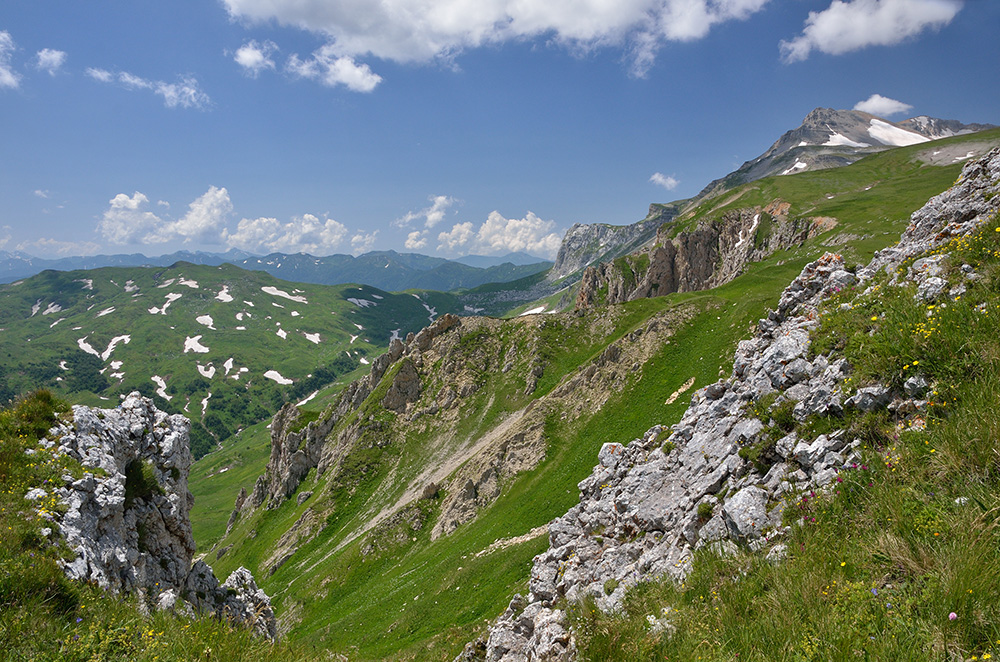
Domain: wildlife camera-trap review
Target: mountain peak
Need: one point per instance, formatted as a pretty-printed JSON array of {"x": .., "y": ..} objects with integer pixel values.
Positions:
[{"x": 829, "y": 138}]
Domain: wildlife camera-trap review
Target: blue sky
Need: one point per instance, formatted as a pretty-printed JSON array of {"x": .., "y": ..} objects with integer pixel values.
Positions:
[{"x": 446, "y": 127}]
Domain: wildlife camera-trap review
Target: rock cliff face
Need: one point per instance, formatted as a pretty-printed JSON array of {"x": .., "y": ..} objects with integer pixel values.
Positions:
[
  {"x": 128, "y": 519},
  {"x": 713, "y": 254},
  {"x": 649, "y": 504},
  {"x": 584, "y": 244},
  {"x": 295, "y": 452}
]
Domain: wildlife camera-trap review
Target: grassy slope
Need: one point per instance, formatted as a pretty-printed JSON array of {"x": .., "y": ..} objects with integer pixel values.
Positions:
[
  {"x": 901, "y": 559},
  {"x": 367, "y": 603},
  {"x": 369, "y": 610},
  {"x": 34, "y": 344}
]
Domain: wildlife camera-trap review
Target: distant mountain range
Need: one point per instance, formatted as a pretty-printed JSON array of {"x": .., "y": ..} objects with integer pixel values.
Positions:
[
  {"x": 830, "y": 138},
  {"x": 387, "y": 270}
]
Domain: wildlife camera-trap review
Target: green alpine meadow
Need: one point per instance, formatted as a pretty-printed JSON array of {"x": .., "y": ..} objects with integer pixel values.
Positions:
[{"x": 759, "y": 424}]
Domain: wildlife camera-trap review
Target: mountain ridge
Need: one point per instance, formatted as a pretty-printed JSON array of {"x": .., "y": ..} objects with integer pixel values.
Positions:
[
  {"x": 387, "y": 270},
  {"x": 829, "y": 138}
]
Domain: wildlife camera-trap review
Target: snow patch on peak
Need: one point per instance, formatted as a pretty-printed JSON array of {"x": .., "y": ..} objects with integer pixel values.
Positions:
[
  {"x": 171, "y": 297},
  {"x": 888, "y": 134},
  {"x": 86, "y": 346},
  {"x": 837, "y": 139},
  {"x": 206, "y": 320},
  {"x": 799, "y": 165},
  {"x": 307, "y": 398},
  {"x": 224, "y": 296},
  {"x": 162, "y": 390},
  {"x": 268, "y": 289},
  {"x": 193, "y": 344},
  {"x": 276, "y": 376},
  {"x": 114, "y": 343}
]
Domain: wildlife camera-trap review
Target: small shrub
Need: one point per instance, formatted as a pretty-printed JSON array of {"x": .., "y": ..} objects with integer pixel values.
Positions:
[
  {"x": 140, "y": 481},
  {"x": 705, "y": 510}
]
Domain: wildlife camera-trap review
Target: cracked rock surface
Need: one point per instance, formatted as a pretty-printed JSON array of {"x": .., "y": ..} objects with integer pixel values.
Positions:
[{"x": 128, "y": 519}]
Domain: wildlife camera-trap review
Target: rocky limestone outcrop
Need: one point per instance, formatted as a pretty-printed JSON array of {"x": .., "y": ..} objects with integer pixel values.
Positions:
[
  {"x": 127, "y": 520},
  {"x": 295, "y": 452},
  {"x": 710, "y": 255},
  {"x": 584, "y": 244},
  {"x": 649, "y": 504}
]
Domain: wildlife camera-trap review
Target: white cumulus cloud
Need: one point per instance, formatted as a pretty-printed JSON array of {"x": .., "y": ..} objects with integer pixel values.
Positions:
[
  {"x": 204, "y": 221},
  {"x": 50, "y": 60},
  {"x": 184, "y": 93},
  {"x": 255, "y": 57},
  {"x": 332, "y": 69},
  {"x": 668, "y": 182},
  {"x": 459, "y": 237},
  {"x": 430, "y": 216},
  {"x": 855, "y": 24},
  {"x": 127, "y": 221},
  {"x": 498, "y": 235},
  {"x": 422, "y": 30},
  {"x": 362, "y": 242},
  {"x": 8, "y": 77},
  {"x": 102, "y": 75},
  {"x": 416, "y": 240},
  {"x": 305, "y": 234},
  {"x": 882, "y": 106}
]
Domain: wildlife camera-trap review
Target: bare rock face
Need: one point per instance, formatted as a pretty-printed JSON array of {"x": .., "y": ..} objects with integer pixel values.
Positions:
[
  {"x": 295, "y": 452},
  {"x": 708, "y": 256},
  {"x": 122, "y": 524},
  {"x": 128, "y": 521},
  {"x": 586, "y": 243}
]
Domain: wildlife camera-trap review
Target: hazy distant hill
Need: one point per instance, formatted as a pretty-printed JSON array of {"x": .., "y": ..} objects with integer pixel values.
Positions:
[{"x": 387, "y": 270}]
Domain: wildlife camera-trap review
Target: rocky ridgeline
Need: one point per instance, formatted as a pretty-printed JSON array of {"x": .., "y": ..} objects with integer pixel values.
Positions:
[
  {"x": 586, "y": 243},
  {"x": 708, "y": 256},
  {"x": 425, "y": 382},
  {"x": 127, "y": 520},
  {"x": 295, "y": 452},
  {"x": 649, "y": 504}
]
